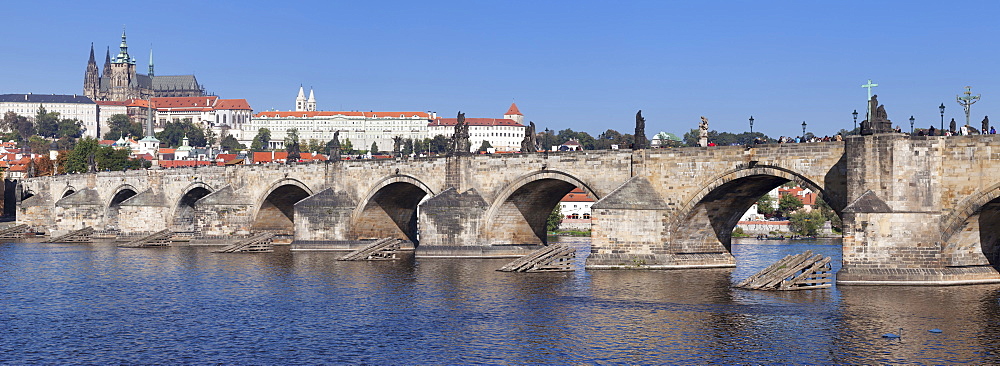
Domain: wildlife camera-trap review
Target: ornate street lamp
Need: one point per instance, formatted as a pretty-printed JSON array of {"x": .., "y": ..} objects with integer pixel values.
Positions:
[
  {"x": 942, "y": 118},
  {"x": 855, "y": 120},
  {"x": 911, "y": 125},
  {"x": 803, "y": 131},
  {"x": 751, "y": 125}
]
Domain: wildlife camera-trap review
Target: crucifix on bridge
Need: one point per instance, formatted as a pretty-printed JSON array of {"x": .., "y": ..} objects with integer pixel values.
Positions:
[
  {"x": 869, "y": 86},
  {"x": 967, "y": 101}
]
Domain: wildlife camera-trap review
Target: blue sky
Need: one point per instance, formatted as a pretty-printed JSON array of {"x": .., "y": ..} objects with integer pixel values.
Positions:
[{"x": 585, "y": 65}]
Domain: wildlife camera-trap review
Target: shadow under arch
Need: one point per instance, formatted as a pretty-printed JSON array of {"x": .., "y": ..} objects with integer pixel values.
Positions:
[
  {"x": 519, "y": 212},
  {"x": 971, "y": 232},
  {"x": 276, "y": 209},
  {"x": 122, "y": 193},
  {"x": 183, "y": 218},
  {"x": 389, "y": 209},
  {"x": 707, "y": 219},
  {"x": 67, "y": 191}
]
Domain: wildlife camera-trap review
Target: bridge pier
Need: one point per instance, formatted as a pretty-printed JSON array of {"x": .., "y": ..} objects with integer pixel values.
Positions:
[{"x": 896, "y": 230}]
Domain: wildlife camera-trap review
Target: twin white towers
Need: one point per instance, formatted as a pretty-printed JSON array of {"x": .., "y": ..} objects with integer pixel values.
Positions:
[{"x": 305, "y": 105}]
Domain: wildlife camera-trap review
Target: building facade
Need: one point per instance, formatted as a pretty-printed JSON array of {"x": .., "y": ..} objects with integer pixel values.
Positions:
[
  {"x": 361, "y": 128},
  {"x": 68, "y": 106},
  {"x": 120, "y": 81},
  {"x": 503, "y": 134}
]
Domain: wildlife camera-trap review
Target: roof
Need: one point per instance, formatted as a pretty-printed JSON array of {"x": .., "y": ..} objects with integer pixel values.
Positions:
[
  {"x": 571, "y": 143},
  {"x": 233, "y": 104},
  {"x": 111, "y": 102},
  {"x": 577, "y": 195},
  {"x": 301, "y": 114},
  {"x": 137, "y": 103},
  {"x": 45, "y": 98},
  {"x": 175, "y": 82},
  {"x": 513, "y": 110},
  {"x": 475, "y": 122},
  {"x": 184, "y": 102}
]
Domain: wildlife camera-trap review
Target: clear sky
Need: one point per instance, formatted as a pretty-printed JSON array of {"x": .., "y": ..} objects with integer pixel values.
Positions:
[{"x": 585, "y": 65}]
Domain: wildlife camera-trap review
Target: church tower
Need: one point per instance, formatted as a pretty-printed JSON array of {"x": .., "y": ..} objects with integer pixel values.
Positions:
[
  {"x": 300, "y": 101},
  {"x": 123, "y": 78},
  {"x": 514, "y": 114},
  {"x": 107, "y": 63},
  {"x": 311, "y": 103},
  {"x": 91, "y": 80}
]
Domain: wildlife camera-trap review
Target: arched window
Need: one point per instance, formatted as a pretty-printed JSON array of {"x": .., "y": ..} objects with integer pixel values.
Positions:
[{"x": 574, "y": 216}]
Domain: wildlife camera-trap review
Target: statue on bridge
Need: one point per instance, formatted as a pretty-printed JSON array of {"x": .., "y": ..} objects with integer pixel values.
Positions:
[
  {"x": 294, "y": 153},
  {"x": 703, "y": 132},
  {"x": 460, "y": 144},
  {"x": 878, "y": 120},
  {"x": 396, "y": 142},
  {"x": 334, "y": 147},
  {"x": 986, "y": 124},
  {"x": 529, "y": 143},
  {"x": 640, "y": 131}
]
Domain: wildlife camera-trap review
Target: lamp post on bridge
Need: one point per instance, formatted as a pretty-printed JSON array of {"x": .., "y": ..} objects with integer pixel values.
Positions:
[
  {"x": 751, "y": 125},
  {"x": 942, "y": 118},
  {"x": 803, "y": 131},
  {"x": 855, "y": 120},
  {"x": 911, "y": 125}
]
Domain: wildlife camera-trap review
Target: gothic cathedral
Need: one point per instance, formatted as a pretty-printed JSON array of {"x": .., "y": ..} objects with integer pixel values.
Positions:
[{"x": 120, "y": 82}]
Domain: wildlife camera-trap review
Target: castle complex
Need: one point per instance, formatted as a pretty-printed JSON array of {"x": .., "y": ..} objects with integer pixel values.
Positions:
[{"x": 120, "y": 82}]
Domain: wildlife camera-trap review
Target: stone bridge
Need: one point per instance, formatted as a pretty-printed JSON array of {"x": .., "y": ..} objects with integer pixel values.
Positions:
[{"x": 916, "y": 210}]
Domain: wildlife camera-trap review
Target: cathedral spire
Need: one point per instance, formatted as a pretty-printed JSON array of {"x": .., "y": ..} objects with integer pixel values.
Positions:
[
  {"x": 92, "y": 61},
  {"x": 107, "y": 63},
  {"x": 311, "y": 103},
  {"x": 300, "y": 101},
  {"x": 150, "y": 60},
  {"x": 123, "y": 56}
]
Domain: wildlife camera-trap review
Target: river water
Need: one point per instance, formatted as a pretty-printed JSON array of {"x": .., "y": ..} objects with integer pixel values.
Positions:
[{"x": 72, "y": 303}]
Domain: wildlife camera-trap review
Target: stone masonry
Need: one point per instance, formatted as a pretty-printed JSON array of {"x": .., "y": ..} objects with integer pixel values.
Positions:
[{"x": 917, "y": 210}]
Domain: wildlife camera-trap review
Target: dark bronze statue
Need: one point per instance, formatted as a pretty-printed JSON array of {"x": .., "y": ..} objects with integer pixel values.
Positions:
[
  {"x": 529, "y": 143},
  {"x": 335, "y": 147},
  {"x": 460, "y": 144},
  {"x": 640, "y": 131}
]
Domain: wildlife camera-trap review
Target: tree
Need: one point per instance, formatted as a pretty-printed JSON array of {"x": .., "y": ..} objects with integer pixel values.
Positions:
[
  {"x": 172, "y": 135},
  {"x": 44, "y": 166},
  {"x": 120, "y": 125},
  {"x": 485, "y": 146},
  {"x": 554, "y": 219},
  {"x": 316, "y": 146},
  {"x": 765, "y": 205},
  {"x": 806, "y": 223},
  {"x": 61, "y": 160},
  {"x": 195, "y": 134},
  {"x": 20, "y": 126},
  {"x": 439, "y": 144},
  {"x": 112, "y": 159},
  {"x": 407, "y": 147},
  {"x": 210, "y": 137},
  {"x": 229, "y": 143},
  {"x": 374, "y": 149},
  {"x": 38, "y": 145},
  {"x": 70, "y": 127},
  {"x": 829, "y": 214},
  {"x": 291, "y": 137},
  {"x": 78, "y": 160},
  {"x": 347, "y": 147},
  {"x": 788, "y": 203},
  {"x": 262, "y": 140},
  {"x": 47, "y": 123}
]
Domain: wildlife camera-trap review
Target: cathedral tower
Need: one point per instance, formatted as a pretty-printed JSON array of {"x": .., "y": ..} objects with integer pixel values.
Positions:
[
  {"x": 123, "y": 77},
  {"x": 91, "y": 80}
]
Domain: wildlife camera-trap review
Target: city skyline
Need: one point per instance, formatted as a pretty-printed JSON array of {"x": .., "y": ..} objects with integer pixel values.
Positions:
[{"x": 582, "y": 66}]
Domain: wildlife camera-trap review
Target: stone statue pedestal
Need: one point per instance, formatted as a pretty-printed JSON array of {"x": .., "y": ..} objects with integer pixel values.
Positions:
[{"x": 703, "y": 142}]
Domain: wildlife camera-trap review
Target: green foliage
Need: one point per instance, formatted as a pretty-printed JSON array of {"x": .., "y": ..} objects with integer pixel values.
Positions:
[
  {"x": 229, "y": 143},
  {"x": 347, "y": 147},
  {"x": 18, "y": 125},
  {"x": 738, "y": 233},
  {"x": 439, "y": 144},
  {"x": 261, "y": 141},
  {"x": 173, "y": 134},
  {"x": 724, "y": 138},
  {"x": 38, "y": 145},
  {"x": 70, "y": 127},
  {"x": 806, "y": 223},
  {"x": 374, "y": 148},
  {"x": 210, "y": 136},
  {"x": 112, "y": 159},
  {"x": 788, "y": 203},
  {"x": 829, "y": 214},
  {"x": 315, "y": 145},
  {"x": 47, "y": 123},
  {"x": 554, "y": 219},
  {"x": 119, "y": 125},
  {"x": 486, "y": 145},
  {"x": 586, "y": 141},
  {"x": 765, "y": 205},
  {"x": 83, "y": 153},
  {"x": 407, "y": 147}
]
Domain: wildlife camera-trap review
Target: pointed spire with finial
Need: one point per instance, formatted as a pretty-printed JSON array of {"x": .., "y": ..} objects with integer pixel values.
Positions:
[
  {"x": 92, "y": 60},
  {"x": 151, "y": 60}
]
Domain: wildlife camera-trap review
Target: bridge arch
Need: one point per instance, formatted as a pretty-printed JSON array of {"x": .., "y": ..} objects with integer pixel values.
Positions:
[
  {"x": 183, "y": 217},
  {"x": 971, "y": 232},
  {"x": 389, "y": 209},
  {"x": 67, "y": 191},
  {"x": 276, "y": 208},
  {"x": 122, "y": 193},
  {"x": 705, "y": 222},
  {"x": 519, "y": 212}
]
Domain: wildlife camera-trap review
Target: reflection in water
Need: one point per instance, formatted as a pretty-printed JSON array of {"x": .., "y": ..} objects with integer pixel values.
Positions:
[{"x": 101, "y": 304}]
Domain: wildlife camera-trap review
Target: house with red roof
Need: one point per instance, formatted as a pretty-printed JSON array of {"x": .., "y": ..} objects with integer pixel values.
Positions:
[
  {"x": 503, "y": 134},
  {"x": 575, "y": 209}
]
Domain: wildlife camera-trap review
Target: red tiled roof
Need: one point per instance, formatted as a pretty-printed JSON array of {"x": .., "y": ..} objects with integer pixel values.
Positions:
[
  {"x": 111, "y": 102},
  {"x": 233, "y": 104},
  {"x": 184, "y": 102},
  {"x": 300, "y": 114},
  {"x": 225, "y": 157},
  {"x": 183, "y": 163},
  {"x": 164, "y": 150},
  {"x": 138, "y": 103},
  {"x": 513, "y": 110},
  {"x": 475, "y": 122},
  {"x": 577, "y": 195}
]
